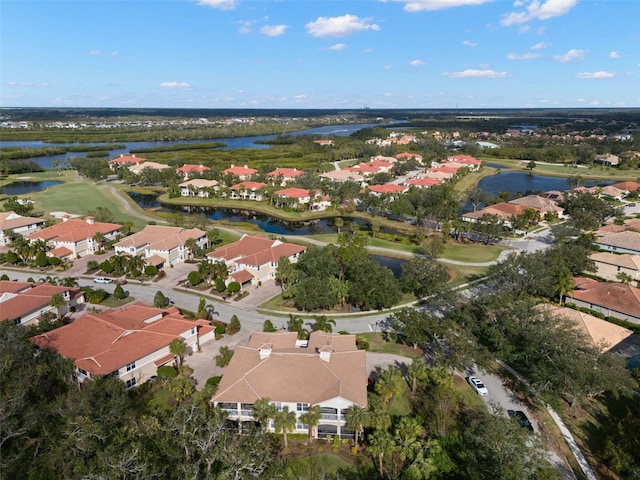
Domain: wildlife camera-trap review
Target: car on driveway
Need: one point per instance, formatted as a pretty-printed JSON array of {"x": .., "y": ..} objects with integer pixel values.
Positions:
[
  {"x": 522, "y": 419},
  {"x": 478, "y": 386},
  {"x": 102, "y": 280}
]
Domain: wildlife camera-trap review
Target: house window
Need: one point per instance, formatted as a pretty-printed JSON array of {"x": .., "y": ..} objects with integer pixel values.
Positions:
[
  {"x": 131, "y": 366},
  {"x": 17, "y": 321},
  {"x": 301, "y": 426},
  {"x": 83, "y": 372},
  {"x": 278, "y": 406},
  {"x": 618, "y": 268},
  {"x": 193, "y": 330},
  {"x": 131, "y": 382},
  {"x": 302, "y": 407}
]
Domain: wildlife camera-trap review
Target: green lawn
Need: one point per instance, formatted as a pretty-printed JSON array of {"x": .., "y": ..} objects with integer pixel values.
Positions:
[
  {"x": 472, "y": 252},
  {"x": 461, "y": 274},
  {"x": 378, "y": 344}
]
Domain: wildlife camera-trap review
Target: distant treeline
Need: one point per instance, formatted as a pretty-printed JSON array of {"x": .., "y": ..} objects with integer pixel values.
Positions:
[
  {"x": 178, "y": 148},
  {"x": 17, "y": 153}
]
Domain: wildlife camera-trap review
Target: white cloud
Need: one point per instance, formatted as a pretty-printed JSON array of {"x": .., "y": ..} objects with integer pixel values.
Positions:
[
  {"x": 417, "y": 62},
  {"x": 540, "y": 46},
  {"x": 471, "y": 73},
  {"x": 387, "y": 67},
  {"x": 420, "y": 5},
  {"x": 300, "y": 98},
  {"x": 571, "y": 56},
  {"x": 338, "y": 46},
  {"x": 523, "y": 56},
  {"x": 537, "y": 10},
  {"x": 273, "y": 30},
  {"x": 219, "y": 4},
  {"x": 614, "y": 54},
  {"x": 596, "y": 75},
  {"x": 178, "y": 85},
  {"x": 339, "y": 26},
  {"x": 246, "y": 26},
  {"x": 27, "y": 84},
  {"x": 98, "y": 53},
  {"x": 469, "y": 43},
  {"x": 367, "y": 50}
]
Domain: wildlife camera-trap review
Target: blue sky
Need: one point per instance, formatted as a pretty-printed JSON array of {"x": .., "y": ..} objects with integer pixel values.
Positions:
[{"x": 320, "y": 54}]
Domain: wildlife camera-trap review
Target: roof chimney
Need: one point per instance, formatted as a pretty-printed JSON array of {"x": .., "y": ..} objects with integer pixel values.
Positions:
[
  {"x": 325, "y": 353},
  {"x": 265, "y": 350}
]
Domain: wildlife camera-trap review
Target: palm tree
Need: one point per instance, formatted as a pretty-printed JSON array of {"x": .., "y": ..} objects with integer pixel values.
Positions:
[
  {"x": 417, "y": 371},
  {"x": 322, "y": 323},
  {"x": 284, "y": 422},
  {"x": 564, "y": 283},
  {"x": 178, "y": 348},
  {"x": 389, "y": 383},
  {"x": 295, "y": 324},
  {"x": 263, "y": 411},
  {"x": 339, "y": 223},
  {"x": 136, "y": 263},
  {"x": 57, "y": 302},
  {"x": 191, "y": 245},
  {"x": 69, "y": 282},
  {"x": 311, "y": 417},
  {"x": 357, "y": 419},
  {"x": 127, "y": 225}
]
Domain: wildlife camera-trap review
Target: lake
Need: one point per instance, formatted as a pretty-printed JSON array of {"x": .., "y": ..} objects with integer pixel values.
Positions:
[
  {"x": 521, "y": 182},
  {"x": 24, "y": 187}
]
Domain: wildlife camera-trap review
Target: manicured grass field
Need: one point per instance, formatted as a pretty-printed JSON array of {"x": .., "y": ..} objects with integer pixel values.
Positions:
[
  {"x": 378, "y": 344},
  {"x": 472, "y": 252}
]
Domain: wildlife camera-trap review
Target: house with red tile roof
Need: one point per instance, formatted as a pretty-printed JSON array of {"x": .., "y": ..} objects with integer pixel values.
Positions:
[
  {"x": 243, "y": 173},
  {"x": 256, "y": 256},
  {"x": 422, "y": 182},
  {"x": 129, "y": 343},
  {"x": 628, "y": 186},
  {"x": 329, "y": 372},
  {"x": 387, "y": 189},
  {"x": 189, "y": 170},
  {"x": 284, "y": 175},
  {"x": 471, "y": 162},
  {"x": 248, "y": 191},
  {"x": 76, "y": 235},
  {"x": 609, "y": 298},
  {"x": 541, "y": 204},
  {"x": 19, "y": 225},
  {"x": 299, "y": 196},
  {"x": 198, "y": 187},
  {"x": 407, "y": 156},
  {"x": 162, "y": 245},
  {"x": 503, "y": 210},
  {"x": 125, "y": 161},
  {"x": 24, "y": 303}
]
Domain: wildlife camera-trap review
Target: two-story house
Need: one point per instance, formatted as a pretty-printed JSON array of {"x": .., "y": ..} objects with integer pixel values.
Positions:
[{"x": 11, "y": 222}]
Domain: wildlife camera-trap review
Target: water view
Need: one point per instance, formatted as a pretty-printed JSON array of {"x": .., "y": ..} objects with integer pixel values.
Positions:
[{"x": 24, "y": 187}]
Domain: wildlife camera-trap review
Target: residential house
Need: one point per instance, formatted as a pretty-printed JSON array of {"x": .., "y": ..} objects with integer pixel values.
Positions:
[
  {"x": 503, "y": 210},
  {"x": 129, "y": 343},
  {"x": 407, "y": 156},
  {"x": 77, "y": 236},
  {"x": 471, "y": 162},
  {"x": 243, "y": 173},
  {"x": 139, "y": 167},
  {"x": 125, "y": 161},
  {"x": 189, "y": 170},
  {"x": 198, "y": 187},
  {"x": 341, "y": 176},
  {"x": 607, "y": 159},
  {"x": 622, "y": 242},
  {"x": 329, "y": 372},
  {"x": 611, "y": 299},
  {"x": 387, "y": 189},
  {"x": 19, "y": 225},
  {"x": 298, "y": 196},
  {"x": 601, "y": 333},
  {"x": 324, "y": 142},
  {"x": 610, "y": 265},
  {"x": 254, "y": 259},
  {"x": 161, "y": 245},
  {"x": 422, "y": 182},
  {"x": 628, "y": 186},
  {"x": 284, "y": 175},
  {"x": 24, "y": 303},
  {"x": 248, "y": 191},
  {"x": 541, "y": 204}
]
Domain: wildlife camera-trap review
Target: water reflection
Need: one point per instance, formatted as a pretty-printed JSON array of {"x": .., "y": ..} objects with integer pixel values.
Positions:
[{"x": 24, "y": 187}]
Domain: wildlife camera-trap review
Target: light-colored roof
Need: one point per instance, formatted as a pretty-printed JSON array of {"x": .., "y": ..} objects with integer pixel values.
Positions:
[
  {"x": 128, "y": 159},
  {"x": 248, "y": 186},
  {"x": 199, "y": 183},
  {"x": 537, "y": 202},
  {"x": 291, "y": 374},
  {"x": 161, "y": 238},
  {"x": 625, "y": 260},
  {"x": 602, "y": 333},
  {"x": 11, "y": 220},
  {"x": 285, "y": 172},
  {"x": 342, "y": 176},
  {"x": 74, "y": 230},
  {"x": 153, "y": 165},
  {"x": 629, "y": 240},
  {"x": 503, "y": 210},
  {"x": 191, "y": 168},
  {"x": 18, "y": 299}
]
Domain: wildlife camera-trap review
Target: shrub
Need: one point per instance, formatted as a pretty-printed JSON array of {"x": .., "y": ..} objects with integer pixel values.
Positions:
[
  {"x": 4, "y": 277},
  {"x": 267, "y": 326},
  {"x": 221, "y": 329},
  {"x": 233, "y": 287},
  {"x": 234, "y": 325},
  {"x": 220, "y": 285},
  {"x": 41, "y": 260},
  {"x": 53, "y": 261},
  {"x": 362, "y": 343},
  {"x": 12, "y": 257},
  {"x": 166, "y": 373},
  {"x": 224, "y": 358},
  {"x": 213, "y": 382},
  {"x": 106, "y": 266},
  {"x": 150, "y": 270},
  {"x": 161, "y": 274},
  {"x": 119, "y": 293},
  {"x": 194, "y": 278}
]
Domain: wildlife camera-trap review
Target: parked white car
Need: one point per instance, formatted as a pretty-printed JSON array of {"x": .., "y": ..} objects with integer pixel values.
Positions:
[
  {"x": 478, "y": 386},
  {"x": 102, "y": 280}
]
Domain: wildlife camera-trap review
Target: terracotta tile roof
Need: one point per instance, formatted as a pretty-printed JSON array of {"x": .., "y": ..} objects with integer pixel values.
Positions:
[
  {"x": 60, "y": 252},
  {"x": 363, "y": 168},
  {"x": 294, "y": 374},
  {"x": 191, "y": 168},
  {"x": 122, "y": 159},
  {"x": 161, "y": 238},
  {"x": 468, "y": 159},
  {"x": 616, "y": 296},
  {"x": 294, "y": 193},
  {"x": 199, "y": 183},
  {"x": 24, "y": 298},
  {"x": 628, "y": 186},
  {"x": 242, "y": 276},
  {"x": 387, "y": 188},
  {"x": 600, "y": 332},
  {"x": 248, "y": 186},
  {"x": 624, "y": 260},
  {"x": 409, "y": 155},
  {"x": 74, "y": 230},
  {"x": 256, "y": 250},
  {"x": 285, "y": 172},
  {"x": 423, "y": 182},
  {"x": 610, "y": 228},
  {"x": 443, "y": 170},
  {"x": 539, "y": 203},
  {"x": 239, "y": 171},
  {"x": 104, "y": 342}
]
